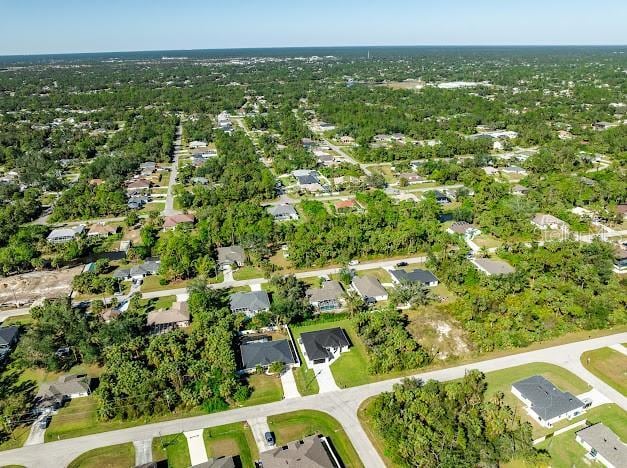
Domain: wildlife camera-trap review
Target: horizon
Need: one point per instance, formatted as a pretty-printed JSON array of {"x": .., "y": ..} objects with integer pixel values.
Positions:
[{"x": 36, "y": 27}]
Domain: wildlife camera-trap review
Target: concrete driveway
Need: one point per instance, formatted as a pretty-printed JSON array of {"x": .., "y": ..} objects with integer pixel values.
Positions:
[
  {"x": 326, "y": 382},
  {"x": 37, "y": 434},
  {"x": 290, "y": 390},
  {"x": 143, "y": 451},
  {"x": 196, "y": 446},
  {"x": 259, "y": 427}
]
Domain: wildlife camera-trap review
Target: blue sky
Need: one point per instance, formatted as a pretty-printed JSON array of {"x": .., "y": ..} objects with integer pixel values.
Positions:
[{"x": 54, "y": 26}]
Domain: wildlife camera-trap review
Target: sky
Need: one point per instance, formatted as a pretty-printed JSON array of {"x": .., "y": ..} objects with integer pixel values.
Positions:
[{"x": 67, "y": 26}]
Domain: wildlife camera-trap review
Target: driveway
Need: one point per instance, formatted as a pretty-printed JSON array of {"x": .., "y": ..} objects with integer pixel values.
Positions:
[
  {"x": 259, "y": 427},
  {"x": 326, "y": 382},
  {"x": 143, "y": 451},
  {"x": 289, "y": 384},
  {"x": 196, "y": 446},
  {"x": 597, "y": 398},
  {"x": 37, "y": 434}
]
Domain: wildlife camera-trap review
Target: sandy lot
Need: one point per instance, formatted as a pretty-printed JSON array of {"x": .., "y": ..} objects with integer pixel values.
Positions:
[{"x": 29, "y": 288}]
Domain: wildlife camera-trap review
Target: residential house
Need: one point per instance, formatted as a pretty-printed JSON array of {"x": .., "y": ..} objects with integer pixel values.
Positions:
[
  {"x": 423, "y": 277},
  {"x": 411, "y": 178},
  {"x": 325, "y": 159},
  {"x": 546, "y": 221},
  {"x": 322, "y": 346},
  {"x": 65, "y": 234},
  {"x": 330, "y": 296},
  {"x": 8, "y": 339},
  {"x": 603, "y": 445},
  {"x": 308, "y": 180},
  {"x": 514, "y": 170},
  {"x": 544, "y": 402},
  {"x": 441, "y": 198},
  {"x": 232, "y": 255},
  {"x": 255, "y": 354},
  {"x": 369, "y": 288},
  {"x": 493, "y": 267},
  {"x": 199, "y": 180},
  {"x": 307, "y": 143},
  {"x": 197, "y": 144},
  {"x": 67, "y": 387},
  {"x": 283, "y": 212},
  {"x": 138, "y": 272},
  {"x": 600, "y": 126},
  {"x": 490, "y": 170},
  {"x": 620, "y": 260},
  {"x": 519, "y": 190},
  {"x": 170, "y": 222},
  {"x": 347, "y": 140},
  {"x": 311, "y": 452},
  {"x": 138, "y": 185},
  {"x": 101, "y": 230},
  {"x": 137, "y": 202},
  {"x": 621, "y": 210},
  {"x": 345, "y": 205},
  {"x": 163, "y": 320},
  {"x": 250, "y": 303},
  {"x": 469, "y": 231}
]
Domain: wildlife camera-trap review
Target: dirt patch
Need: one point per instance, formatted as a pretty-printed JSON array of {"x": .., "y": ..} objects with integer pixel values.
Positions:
[
  {"x": 32, "y": 288},
  {"x": 438, "y": 332}
]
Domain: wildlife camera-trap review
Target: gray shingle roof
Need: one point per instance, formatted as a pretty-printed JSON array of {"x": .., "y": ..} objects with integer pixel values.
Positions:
[
  {"x": 253, "y": 301},
  {"x": 7, "y": 335},
  {"x": 231, "y": 254},
  {"x": 414, "y": 276},
  {"x": 368, "y": 286},
  {"x": 606, "y": 443},
  {"x": 330, "y": 291},
  {"x": 265, "y": 353},
  {"x": 317, "y": 343},
  {"x": 546, "y": 400},
  {"x": 307, "y": 453},
  {"x": 282, "y": 210}
]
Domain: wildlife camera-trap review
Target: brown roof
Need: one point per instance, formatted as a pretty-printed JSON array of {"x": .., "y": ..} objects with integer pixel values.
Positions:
[
  {"x": 179, "y": 312},
  {"x": 139, "y": 183},
  {"x": 344, "y": 204},
  {"x": 174, "y": 220},
  {"x": 621, "y": 209},
  {"x": 307, "y": 453}
]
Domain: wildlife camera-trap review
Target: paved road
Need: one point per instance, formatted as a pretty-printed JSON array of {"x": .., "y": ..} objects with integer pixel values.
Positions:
[
  {"x": 340, "y": 151},
  {"x": 300, "y": 274},
  {"x": 341, "y": 404},
  {"x": 169, "y": 210}
]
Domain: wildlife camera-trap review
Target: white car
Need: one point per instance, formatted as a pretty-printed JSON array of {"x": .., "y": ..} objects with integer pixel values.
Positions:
[{"x": 353, "y": 262}]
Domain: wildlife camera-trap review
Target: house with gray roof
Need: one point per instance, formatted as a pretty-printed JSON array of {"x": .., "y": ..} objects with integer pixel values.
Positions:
[
  {"x": 465, "y": 229},
  {"x": 65, "y": 234},
  {"x": 603, "y": 445},
  {"x": 138, "y": 272},
  {"x": 325, "y": 345},
  {"x": 264, "y": 353},
  {"x": 283, "y": 212},
  {"x": 163, "y": 320},
  {"x": 424, "y": 277},
  {"x": 369, "y": 288},
  {"x": 52, "y": 395},
  {"x": 311, "y": 452},
  {"x": 493, "y": 267},
  {"x": 233, "y": 255},
  {"x": 330, "y": 296},
  {"x": 547, "y": 221},
  {"x": 544, "y": 402},
  {"x": 250, "y": 303},
  {"x": 8, "y": 339}
]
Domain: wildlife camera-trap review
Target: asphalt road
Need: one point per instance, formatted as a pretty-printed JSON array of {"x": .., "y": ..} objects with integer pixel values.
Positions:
[
  {"x": 341, "y": 404},
  {"x": 169, "y": 201}
]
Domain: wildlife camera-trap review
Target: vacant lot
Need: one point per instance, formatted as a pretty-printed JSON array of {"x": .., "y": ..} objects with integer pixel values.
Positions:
[
  {"x": 230, "y": 440},
  {"x": 114, "y": 456},
  {"x": 265, "y": 389},
  {"x": 29, "y": 288},
  {"x": 608, "y": 365},
  {"x": 172, "y": 449}
]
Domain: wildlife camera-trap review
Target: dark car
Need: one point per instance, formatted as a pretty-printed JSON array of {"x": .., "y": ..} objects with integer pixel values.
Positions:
[
  {"x": 401, "y": 264},
  {"x": 269, "y": 438}
]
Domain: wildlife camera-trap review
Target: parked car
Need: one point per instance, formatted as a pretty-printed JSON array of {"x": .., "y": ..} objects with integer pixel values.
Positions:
[
  {"x": 269, "y": 438},
  {"x": 401, "y": 264},
  {"x": 353, "y": 262},
  {"x": 43, "y": 422}
]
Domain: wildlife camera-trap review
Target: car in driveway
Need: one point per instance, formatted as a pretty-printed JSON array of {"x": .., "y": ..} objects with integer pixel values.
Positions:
[
  {"x": 44, "y": 421},
  {"x": 269, "y": 438}
]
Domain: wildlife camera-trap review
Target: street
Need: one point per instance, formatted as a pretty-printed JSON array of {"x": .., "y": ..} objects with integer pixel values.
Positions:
[
  {"x": 341, "y": 404},
  {"x": 169, "y": 210}
]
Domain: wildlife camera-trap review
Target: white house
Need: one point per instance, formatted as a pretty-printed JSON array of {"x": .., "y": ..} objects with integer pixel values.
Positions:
[{"x": 369, "y": 288}]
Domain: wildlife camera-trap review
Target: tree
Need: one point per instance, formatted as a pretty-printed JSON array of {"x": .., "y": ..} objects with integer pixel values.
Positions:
[
  {"x": 289, "y": 301},
  {"x": 411, "y": 294}
]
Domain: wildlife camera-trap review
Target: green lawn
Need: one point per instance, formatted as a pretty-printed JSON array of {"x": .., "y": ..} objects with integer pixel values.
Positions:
[
  {"x": 25, "y": 319},
  {"x": 164, "y": 302},
  {"x": 79, "y": 418},
  {"x": 566, "y": 452},
  {"x": 246, "y": 273},
  {"x": 17, "y": 438},
  {"x": 608, "y": 365},
  {"x": 266, "y": 389},
  {"x": 379, "y": 273},
  {"x": 501, "y": 381},
  {"x": 114, "y": 456},
  {"x": 151, "y": 284},
  {"x": 293, "y": 426},
  {"x": 230, "y": 440},
  {"x": 172, "y": 448}
]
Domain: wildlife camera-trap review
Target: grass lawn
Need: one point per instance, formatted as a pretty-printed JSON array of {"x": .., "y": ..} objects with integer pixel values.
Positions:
[
  {"x": 288, "y": 427},
  {"x": 151, "y": 283},
  {"x": 265, "y": 389},
  {"x": 79, "y": 418},
  {"x": 379, "y": 273},
  {"x": 246, "y": 273},
  {"x": 487, "y": 241},
  {"x": 152, "y": 206},
  {"x": 230, "y": 440},
  {"x": 114, "y": 456},
  {"x": 566, "y": 452},
  {"x": 501, "y": 381},
  {"x": 25, "y": 320},
  {"x": 172, "y": 448},
  {"x": 41, "y": 375},
  {"x": 17, "y": 439},
  {"x": 608, "y": 365}
]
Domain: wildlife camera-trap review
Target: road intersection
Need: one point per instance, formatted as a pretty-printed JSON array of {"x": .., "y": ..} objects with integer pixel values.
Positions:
[{"x": 341, "y": 404}]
